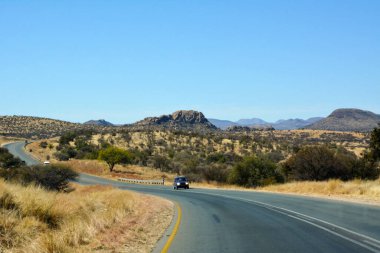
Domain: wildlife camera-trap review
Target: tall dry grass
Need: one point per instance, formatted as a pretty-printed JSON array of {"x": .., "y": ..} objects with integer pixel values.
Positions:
[
  {"x": 35, "y": 220},
  {"x": 355, "y": 190}
]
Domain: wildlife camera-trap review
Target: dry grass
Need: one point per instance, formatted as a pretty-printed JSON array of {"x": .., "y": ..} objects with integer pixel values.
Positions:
[
  {"x": 360, "y": 191},
  {"x": 355, "y": 190},
  {"x": 42, "y": 153},
  {"x": 90, "y": 219}
]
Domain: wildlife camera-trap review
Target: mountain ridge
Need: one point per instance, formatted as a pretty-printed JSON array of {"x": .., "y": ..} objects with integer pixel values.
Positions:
[{"x": 282, "y": 124}]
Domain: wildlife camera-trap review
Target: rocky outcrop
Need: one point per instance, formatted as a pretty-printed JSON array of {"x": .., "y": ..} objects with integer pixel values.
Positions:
[{"x": 178, "y": 119}]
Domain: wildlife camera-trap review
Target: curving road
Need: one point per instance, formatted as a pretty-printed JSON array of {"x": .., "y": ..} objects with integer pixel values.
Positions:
[{"x": 241, "y": 221}]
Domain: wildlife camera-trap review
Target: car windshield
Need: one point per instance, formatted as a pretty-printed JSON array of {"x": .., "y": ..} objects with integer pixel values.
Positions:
[{"x": 181, "y": 179}]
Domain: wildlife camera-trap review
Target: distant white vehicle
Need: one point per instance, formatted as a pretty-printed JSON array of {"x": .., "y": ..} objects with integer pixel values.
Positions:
[{"x": 46, "y": 162}]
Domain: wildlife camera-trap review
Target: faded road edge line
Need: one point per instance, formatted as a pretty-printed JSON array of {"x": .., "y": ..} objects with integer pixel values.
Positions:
[{"x": 175, "y": 229}]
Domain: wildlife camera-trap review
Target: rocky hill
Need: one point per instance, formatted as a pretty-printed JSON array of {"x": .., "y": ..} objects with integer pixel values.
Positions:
[
  {"x": 36, "y": 127},
  {"x": 100, "y": 122},
  {"x": 179, "y": 119},
  {"x": 348, "y": 120}
]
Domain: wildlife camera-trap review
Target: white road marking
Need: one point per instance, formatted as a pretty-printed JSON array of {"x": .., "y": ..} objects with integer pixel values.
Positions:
[{"x": 310, "y": 220}]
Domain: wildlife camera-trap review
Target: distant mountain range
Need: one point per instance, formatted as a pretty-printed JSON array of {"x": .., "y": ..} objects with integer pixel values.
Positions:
[
  {"x": 348, "y": 120},
  {"x": 288, "y": 124},
  {"x": 339, "y": 120}
]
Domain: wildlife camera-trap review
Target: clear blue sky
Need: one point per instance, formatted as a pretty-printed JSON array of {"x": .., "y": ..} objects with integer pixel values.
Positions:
[{"x": 125, "y": 60}]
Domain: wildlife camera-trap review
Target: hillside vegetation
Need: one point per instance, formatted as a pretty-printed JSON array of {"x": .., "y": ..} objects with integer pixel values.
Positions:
[
  {"x": 217, "y": 156},
  {"x": 36, "y": 127}
]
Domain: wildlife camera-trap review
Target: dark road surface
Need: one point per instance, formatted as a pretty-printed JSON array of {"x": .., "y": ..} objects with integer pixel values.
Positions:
[{"x": 245, "y": 221}]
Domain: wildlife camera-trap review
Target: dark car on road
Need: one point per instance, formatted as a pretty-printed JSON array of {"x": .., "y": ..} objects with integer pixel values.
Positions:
[{"x": 180, "y": 182}]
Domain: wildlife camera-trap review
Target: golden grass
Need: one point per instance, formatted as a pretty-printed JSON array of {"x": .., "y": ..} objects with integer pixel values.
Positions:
[
  {"x": 92, "y": 218},
  {"x": 361, "y": 191},
  {"x": 42, "y": 153},
  {"x": 356, "y": 190}
]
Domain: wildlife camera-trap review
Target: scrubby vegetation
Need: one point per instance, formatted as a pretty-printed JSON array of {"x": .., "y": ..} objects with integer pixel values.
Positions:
[
  {"x": 322, "y": 163},
  {"x": 51, "y": 177},
  {"x": 38, "y": 128},
  {"x": 252, "y": 158}
]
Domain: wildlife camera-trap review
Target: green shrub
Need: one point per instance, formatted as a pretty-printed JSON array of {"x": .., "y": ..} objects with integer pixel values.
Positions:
[
  {"x": 7, "y": 160},
  {"x": 216, "y": 172},
  {"x": 254, "y": 171},
  {"x": 43, "y": 144},
  {"x": 322, "y": 163}
]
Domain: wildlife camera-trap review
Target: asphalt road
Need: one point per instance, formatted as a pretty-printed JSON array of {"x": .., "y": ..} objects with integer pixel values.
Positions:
[{"x": 241, "y": 221}]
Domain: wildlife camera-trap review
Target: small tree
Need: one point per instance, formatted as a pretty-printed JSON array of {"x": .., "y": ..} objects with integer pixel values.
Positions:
[{"x": 113, "y": 156}]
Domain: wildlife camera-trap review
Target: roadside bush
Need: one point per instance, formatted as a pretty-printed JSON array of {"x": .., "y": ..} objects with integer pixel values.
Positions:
[
  {"x": 61, "y": 156},
  {"x": 66, "y": 153},
  {"x": 139, "y": 157},
  {"x": 322, "y": 163},
  {"x": 162, "y": 163},
  {"x": 375, "y": 143},
  {"x": 228, "y": 158},
  {"x": 7, "y": 160},
  {"x": 43, "y": 144},
  {"x": 216, "y": 172},
  {"x": 367, "y": 169},
  {"x": 51, "y": 177},
  {"x": 254, "y": 171}
]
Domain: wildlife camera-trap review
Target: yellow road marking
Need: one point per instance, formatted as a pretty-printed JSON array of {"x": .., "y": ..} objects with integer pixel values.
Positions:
[{"x": 175, "y": 230}]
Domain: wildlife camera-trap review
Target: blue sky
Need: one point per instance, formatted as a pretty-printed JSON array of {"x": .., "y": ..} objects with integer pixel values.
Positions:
[{"x": 126, "y": 60}]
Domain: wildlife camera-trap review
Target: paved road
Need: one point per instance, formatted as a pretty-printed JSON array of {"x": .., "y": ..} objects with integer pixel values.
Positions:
[{"x": 236, "y": 221}]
